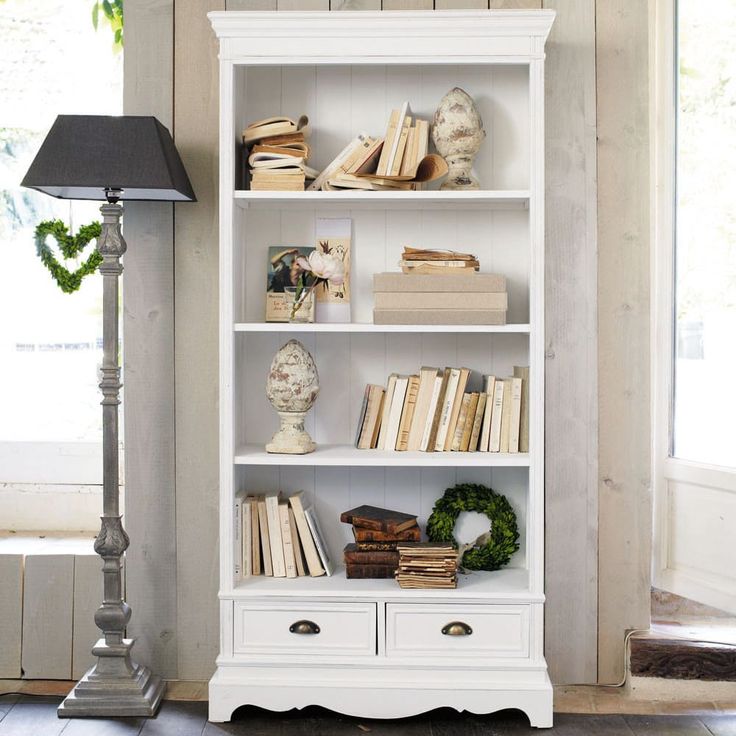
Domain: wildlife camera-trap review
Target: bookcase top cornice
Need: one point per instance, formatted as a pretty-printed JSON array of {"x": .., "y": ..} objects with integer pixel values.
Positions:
[{"x": 359, "y": 36}]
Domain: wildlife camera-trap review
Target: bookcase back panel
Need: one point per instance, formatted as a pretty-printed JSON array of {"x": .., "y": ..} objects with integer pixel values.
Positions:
[
  {"x": 500, "y": 239},
  {"x": 342, "y": 100},
  {"x": 411, "y": 490},
  {"x": 347, "y": 362}
]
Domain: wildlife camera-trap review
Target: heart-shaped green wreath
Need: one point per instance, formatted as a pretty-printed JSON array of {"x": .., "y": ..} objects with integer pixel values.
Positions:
[{"x": 70, "y": 246}]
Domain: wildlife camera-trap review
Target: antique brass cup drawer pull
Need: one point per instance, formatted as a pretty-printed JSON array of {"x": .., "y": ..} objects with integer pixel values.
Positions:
[
  {"x": 456, "y": 628},
  {"x": 304, "y": 627}
]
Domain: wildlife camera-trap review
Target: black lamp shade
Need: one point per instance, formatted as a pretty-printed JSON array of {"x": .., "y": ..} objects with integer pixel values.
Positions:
[{"x": 85, "y": 155}]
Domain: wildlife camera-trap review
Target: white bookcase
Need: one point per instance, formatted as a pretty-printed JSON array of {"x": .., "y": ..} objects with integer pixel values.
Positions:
[{"x": 380, "y": 652}]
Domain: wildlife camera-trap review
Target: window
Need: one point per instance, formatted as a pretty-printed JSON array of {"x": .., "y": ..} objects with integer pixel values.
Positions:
[
  {"x": 705, "y": 233},
  {"x": 52, "y": 61}
]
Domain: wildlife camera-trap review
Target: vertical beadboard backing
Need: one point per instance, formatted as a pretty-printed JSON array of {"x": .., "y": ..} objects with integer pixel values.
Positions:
[
  {"x": 302, "y": 4},
  {"x": 625, "y": 535},
  {"x": 196, "y": 291},
  {"x": 11, "y": 615},
  {"x": 571, "y": 440},
  {"x": 148, "y": 329},
  {"x": 48, "y": 595},
  {"x": 461, "y": 4},
  {"x": 88, "y": 593}
]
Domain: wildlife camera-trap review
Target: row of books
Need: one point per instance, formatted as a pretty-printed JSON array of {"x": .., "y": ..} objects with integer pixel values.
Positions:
[
  {"x": 433, "y": 261},
  {"x": 377, "y": 532},
  {"x": 278, "y": 537},
  {"x": 277, "y": 153},
  {"x": 455, "y": 296},
  {"x": 433, "y": 412}
]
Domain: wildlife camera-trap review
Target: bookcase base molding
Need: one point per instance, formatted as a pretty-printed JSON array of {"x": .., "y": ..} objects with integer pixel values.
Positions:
[
  {"x": 380, "y": 693},
  {"x": 366, "y": 647}
]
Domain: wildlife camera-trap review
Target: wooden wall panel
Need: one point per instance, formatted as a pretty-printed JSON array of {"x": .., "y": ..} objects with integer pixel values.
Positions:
[
  {"x": 250, "y": 5},
  {"x": 11, "y": 615},
  {"x": 148, "y": 338},
  {"x": 625, "y": 509},
  {"x": 408, "y": 5},
  {"x": 196, "y": 364},
  {"x": 302, "y": 4},
  {"x": 519, "y": 5},
  {"x": 461, "y": 4},
  {"x": 571, "y": 447},
  {"x": 48, "y": 593},
  {"x": 88, "y": 593},
  {"x": 355, "y": 4}
]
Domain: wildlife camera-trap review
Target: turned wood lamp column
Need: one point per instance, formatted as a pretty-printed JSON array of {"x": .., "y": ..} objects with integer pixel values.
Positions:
[{"x": 111, "y": 158}]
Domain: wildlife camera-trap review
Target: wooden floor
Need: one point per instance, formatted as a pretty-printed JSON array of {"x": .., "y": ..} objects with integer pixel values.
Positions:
[{"x": 36, "y": 716}]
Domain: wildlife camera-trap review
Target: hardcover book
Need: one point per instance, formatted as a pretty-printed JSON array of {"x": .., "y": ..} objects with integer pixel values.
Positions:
[
  {"x": 381, "y": 520},
  {"x": 412, "y": 534},
  {"x": 355, "y": 555}
]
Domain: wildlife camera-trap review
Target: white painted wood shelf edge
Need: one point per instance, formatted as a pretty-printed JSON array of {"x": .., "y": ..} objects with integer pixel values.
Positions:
[
  {"x": 516, "y": 199},
  {"x": 349, "y": 456},
  {"x": 503, "y": 586},
  {"x": 376, "y": 329}
]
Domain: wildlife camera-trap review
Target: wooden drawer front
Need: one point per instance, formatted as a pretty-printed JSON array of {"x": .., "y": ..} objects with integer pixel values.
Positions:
[
  {"x": 343, "y": 629},
  {"x": 496, "y": 631}
]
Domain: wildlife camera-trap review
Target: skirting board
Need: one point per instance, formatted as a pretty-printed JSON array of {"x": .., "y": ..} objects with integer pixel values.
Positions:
[{"x": 251, "y": 686}]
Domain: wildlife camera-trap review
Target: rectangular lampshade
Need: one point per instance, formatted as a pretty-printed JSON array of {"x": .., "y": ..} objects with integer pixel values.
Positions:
[{"x": 83, "y": 155}]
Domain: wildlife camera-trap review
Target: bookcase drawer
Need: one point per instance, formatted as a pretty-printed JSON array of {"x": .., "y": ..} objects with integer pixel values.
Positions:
[
  {"x": 312, "y": 628},
  {"x": 418, "y": 630}
]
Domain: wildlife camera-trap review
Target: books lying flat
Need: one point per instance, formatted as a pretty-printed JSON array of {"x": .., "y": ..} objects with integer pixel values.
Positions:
[
  {"x": 363, "y": 535},
  {"x": 378, "y": 557},
  {"x": 440, "y": 300},
  {"x": 435, "y": 283},
  {"x": 357, "y": 571},
  {"x": 268, "y": 181},
  {"x": 275, "y": 126},
  {"x": 378, "y": 519},
  {"x": 439, "y": 316},
  {"x": 427, "y": 565}
]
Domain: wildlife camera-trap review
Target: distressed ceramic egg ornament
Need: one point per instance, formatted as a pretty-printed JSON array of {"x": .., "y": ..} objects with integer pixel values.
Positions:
[
  {"x": 292, "y": 387},
  {"x": 457, "y": 132}
]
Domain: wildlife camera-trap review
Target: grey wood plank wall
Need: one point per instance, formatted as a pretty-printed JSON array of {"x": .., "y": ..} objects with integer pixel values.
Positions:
[
  {"x": 625, "y": 534},
  {"x": 196, "y": 95},
  {"x": 148, "y": 339},
  {"x": 572, "y": 495},
  {"x": 571, "y": 447},
  {"x": 11, "y": 615}
]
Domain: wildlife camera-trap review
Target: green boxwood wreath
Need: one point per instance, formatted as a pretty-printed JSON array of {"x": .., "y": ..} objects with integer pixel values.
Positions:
[{"x": 504, "y": 535}]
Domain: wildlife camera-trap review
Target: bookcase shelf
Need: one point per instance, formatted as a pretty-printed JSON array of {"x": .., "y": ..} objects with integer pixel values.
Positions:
[
  {"x": 368, "y": 327},
  {"x": 346, "y": 72},
  {"x": 508, "y": 585},
  {"x": 346, "y": 455},
  {"x": 432, "y": 199}
]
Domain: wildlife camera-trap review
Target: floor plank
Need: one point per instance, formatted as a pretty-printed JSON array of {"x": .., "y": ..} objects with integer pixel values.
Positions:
[
  {"x": 32, "y": 716},
  {"x": 667, "y": 725},
  {"x": 177, "y": 718},
  {"x": 720, "y": 725},
  {"x": 6, "y": 703},
  {"x": 103, "y": 726}
]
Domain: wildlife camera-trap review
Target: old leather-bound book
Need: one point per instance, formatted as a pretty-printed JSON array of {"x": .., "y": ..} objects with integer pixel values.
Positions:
[
  {"x": 374, "y": 557},
  {"x": 380, "y": 520}
]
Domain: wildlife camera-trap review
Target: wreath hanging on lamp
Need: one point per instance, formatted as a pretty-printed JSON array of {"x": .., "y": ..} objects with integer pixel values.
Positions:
[{"x": 492, "y": 550}]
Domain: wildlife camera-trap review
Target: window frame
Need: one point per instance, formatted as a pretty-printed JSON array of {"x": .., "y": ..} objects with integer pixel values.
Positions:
[{"x": 668, "y": 470}]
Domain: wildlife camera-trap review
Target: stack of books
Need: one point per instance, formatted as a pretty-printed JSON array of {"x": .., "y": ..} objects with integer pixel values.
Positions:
[
  {"x": 462, "y": 297},
  {"x": 278, "y": 537},
  {"x": 427, "y": 566},
  {"x": 433, "y": 411},
  {"x": 377, "y": 534},
  {"x": 399, "y": 160},
  {"x": 277, "y": 154},
  {"x": 429, "y": 260}
]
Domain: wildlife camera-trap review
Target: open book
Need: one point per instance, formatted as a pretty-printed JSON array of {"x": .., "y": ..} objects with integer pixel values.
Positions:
[{"x": 275, "y": 126}]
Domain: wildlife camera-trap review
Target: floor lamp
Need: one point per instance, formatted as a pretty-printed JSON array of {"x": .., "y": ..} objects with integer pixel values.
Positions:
[{"x": 111, "y": 158}]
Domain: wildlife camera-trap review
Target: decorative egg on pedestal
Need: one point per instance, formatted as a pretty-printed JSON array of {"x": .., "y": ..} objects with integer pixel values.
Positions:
[
  {"x": 292, "y": 387},
  {"x": 457, "y": 132}
]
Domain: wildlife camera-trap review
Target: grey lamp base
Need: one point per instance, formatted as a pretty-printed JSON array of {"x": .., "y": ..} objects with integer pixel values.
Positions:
[{"x": 115, "y": 686}]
